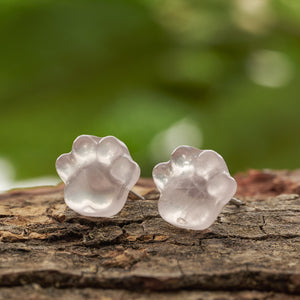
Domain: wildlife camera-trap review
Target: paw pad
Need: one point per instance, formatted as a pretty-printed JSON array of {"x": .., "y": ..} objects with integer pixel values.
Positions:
[
  {"x": 98, "y": 174},
  {"x": 194, "y": 185}
]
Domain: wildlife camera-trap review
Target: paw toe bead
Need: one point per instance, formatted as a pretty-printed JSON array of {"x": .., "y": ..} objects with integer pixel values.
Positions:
[
  {"x": 65, "y": 166},
  {"x": 84, "y": 148},
  {"x": 109, "y": 148}
]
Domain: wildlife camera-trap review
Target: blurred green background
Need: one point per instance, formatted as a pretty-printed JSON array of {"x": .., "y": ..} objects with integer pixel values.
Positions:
[{"x": 215, "y": 74}]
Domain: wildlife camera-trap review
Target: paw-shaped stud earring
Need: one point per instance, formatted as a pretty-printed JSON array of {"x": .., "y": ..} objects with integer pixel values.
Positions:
[
  {"x": 194, "y": 187},
  {"x": 98, "y": 174}
]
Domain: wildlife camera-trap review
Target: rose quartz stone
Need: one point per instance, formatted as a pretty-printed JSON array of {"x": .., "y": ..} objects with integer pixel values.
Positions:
[
  {"x": 194, "y": 187},
  {"x": 98, "y": 174}
]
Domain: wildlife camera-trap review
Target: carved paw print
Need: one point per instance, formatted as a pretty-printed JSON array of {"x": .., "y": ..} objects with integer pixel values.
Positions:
[
  {"x": 98, "y": 174},
  {"x": 194, "y": 185}
]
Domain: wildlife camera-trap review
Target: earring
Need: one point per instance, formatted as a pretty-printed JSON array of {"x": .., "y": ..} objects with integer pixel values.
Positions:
[
  {"x": 98, "y": 174},
  {"x": 194, "y": 187}
]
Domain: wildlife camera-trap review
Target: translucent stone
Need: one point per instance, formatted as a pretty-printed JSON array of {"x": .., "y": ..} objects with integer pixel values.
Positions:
[
  {"x": 194, "y": 187},
  {"x": 98, "y": 174}
]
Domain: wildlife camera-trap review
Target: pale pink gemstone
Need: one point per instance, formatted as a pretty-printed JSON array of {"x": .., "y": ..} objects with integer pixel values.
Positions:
[
  {"x": 98, "y": 174},
  {"x": 194, "y": 187}
]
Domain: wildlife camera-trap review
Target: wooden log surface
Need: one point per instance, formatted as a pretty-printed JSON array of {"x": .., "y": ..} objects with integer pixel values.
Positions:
[{"x": 47, "y": 251}]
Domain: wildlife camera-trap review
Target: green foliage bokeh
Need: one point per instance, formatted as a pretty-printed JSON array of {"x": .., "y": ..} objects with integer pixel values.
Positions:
[{"x": 134, "y": 68}]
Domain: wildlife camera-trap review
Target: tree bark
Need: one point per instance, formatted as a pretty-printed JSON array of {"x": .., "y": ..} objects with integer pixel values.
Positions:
[{"x": 48, "y": 251}]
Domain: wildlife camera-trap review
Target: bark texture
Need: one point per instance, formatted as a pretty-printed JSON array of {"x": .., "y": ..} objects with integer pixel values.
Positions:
[{"x": 48, "y": 251}]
